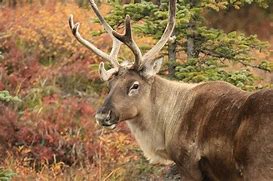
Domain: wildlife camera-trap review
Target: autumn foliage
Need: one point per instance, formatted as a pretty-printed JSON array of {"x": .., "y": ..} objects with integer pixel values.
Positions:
[{"x": 51, "y": 132}]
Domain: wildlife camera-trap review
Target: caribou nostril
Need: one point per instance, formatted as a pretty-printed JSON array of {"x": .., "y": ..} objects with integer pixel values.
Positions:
[
  {"x": 108, "y": 117},
  {"x": 103, "y": 116}
]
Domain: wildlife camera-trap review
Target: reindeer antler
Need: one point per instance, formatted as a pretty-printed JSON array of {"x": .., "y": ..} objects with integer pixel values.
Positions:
[
  {"x": 128, "y": 40},
  {"x": 125, "y": 38},
  {"x": 112, "y": 57}
]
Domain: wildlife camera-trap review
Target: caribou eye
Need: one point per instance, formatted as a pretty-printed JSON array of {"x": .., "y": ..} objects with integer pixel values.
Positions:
[
  {"x": 135, "y": 85},
  {"x": 134, "y": 88}
]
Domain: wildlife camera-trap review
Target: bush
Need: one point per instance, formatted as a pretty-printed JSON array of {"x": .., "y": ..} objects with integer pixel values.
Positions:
[{"x": 6, "y": 175}]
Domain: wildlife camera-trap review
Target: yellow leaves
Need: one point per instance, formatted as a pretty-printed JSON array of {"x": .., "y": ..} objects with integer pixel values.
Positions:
[
  {"x": 57, "y": 167},
  {"x": 47, "y": 28}
]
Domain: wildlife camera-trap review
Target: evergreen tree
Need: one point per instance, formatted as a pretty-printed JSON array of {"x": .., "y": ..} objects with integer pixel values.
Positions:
[{"x": 209, "y": 51}]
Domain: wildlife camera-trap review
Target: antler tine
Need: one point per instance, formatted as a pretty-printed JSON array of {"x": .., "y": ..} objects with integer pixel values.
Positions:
[
  {"x": 116, "y": 43},
  {"x": 109, "y": 30},
  {"x": 149, "y": 56},
  {"x": 128, "y": 40},
  {"x": 75, "y": 31}
]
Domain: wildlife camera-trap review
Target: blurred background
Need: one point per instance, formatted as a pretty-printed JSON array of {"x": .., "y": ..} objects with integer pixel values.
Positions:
[{"x": 50, "y": 88}]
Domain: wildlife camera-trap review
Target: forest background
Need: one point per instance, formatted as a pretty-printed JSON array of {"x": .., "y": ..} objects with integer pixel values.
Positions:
[{"x": 50, "y": 88}]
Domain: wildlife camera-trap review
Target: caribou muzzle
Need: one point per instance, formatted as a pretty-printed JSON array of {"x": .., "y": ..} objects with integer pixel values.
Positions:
[{"x": 107, "y": 118}]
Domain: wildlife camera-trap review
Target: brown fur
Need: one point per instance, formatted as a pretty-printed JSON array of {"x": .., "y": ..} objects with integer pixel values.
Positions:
[
  {"x": 231, "y": 131},
  {"x": 212, "y": 131}
]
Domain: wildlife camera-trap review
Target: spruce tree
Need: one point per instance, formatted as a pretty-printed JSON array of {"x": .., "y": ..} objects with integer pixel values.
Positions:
[{"x": 210, "y": 52}]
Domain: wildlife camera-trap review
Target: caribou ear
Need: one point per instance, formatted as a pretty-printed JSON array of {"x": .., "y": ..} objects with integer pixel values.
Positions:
[
  {"x": 106, "y": 74},
  {"x": 151, "y": 68}
]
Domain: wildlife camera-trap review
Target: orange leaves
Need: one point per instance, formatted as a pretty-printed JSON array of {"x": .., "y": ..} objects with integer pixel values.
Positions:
[{"x": 46, "y": 29}]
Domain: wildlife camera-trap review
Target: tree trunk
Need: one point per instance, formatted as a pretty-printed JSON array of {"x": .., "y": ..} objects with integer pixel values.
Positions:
[
  {"x": 172, "y": 56},
  {"x": 157, "y": 2},
  {"x": 12, "y": 3},
  {"x": 190, "y": 40},
  {"x": 191, "y": 47},
  {"x": 125, "y": 1}
]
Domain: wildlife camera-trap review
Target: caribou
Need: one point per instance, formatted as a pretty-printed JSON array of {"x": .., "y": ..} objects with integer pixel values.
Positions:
[{"x": 211, "y": 130}]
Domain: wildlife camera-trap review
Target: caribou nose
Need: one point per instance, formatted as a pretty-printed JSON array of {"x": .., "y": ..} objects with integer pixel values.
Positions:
[
  {"x": 103, "y": 118},
  {"x": 107, "y": 120}
]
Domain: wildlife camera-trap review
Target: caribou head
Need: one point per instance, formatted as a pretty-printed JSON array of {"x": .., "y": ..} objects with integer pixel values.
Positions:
[{"x": 129, "y": 83}]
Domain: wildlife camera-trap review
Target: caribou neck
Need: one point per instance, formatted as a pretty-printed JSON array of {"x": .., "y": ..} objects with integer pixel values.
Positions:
[
  {"x": 169, "y": 99},
  {"x": 151, "y": 127}
]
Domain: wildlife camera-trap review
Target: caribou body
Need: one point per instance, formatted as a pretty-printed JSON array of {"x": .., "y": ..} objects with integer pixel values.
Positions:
[{"x": 211, "y": 131}]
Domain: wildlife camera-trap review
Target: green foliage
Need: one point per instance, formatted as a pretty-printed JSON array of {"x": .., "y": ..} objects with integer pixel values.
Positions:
[
  {"x": 213, "y": 50},
  {"x": 6, "y": 97},
  {"x": 117, "y": 14},
  {"x": 6, "y": 175},
  {"x": 210, "y": 70},
  {"x": 232, "y": 46},
  {"x": 34, "y": 99}
]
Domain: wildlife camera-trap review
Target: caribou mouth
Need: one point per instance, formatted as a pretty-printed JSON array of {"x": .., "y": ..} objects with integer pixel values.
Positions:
[
  {"x": 107, "y": 126},
  {"x": 111, "y": 127}
]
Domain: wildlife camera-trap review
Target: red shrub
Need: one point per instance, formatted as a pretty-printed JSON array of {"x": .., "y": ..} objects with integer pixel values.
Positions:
[{"x": 7, "y": 128}]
